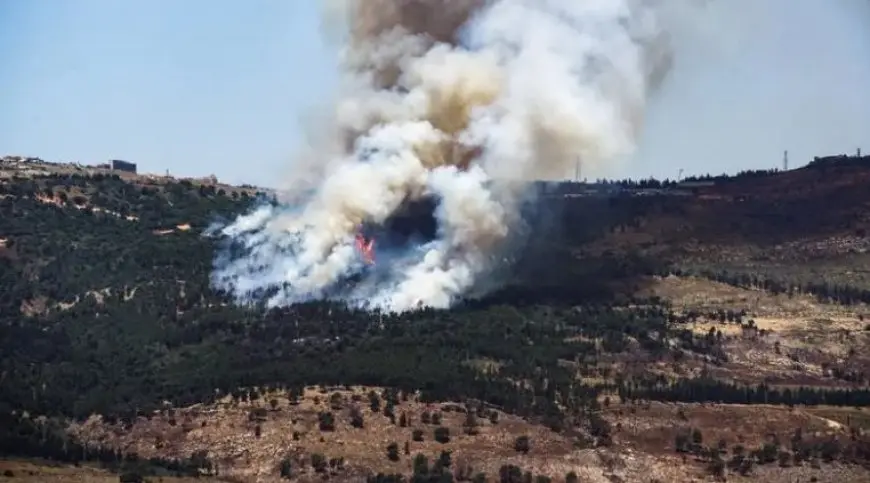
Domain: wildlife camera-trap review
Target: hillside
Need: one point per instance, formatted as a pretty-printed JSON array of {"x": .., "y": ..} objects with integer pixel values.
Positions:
[{"x": 719, "y": 334}]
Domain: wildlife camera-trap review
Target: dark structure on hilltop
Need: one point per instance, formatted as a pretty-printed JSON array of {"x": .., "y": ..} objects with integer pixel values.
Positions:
[{"x": 118, "y": 165}]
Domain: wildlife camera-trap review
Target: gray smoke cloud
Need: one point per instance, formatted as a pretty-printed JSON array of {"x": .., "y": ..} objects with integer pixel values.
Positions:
[{"x": 465, "y": 101}]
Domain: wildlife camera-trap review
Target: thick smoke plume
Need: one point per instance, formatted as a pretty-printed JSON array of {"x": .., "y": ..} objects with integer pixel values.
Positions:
[{"x": 465, "y": 101}]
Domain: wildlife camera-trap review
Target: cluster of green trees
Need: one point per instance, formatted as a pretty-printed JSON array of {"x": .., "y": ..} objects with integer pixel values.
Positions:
[
  {"x": 711, "y": 390},
  {"x": 442, "y": 471},
  {"x": 24, "y": 436}
]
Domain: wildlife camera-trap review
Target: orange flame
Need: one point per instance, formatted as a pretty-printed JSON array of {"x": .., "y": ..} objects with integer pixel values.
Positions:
[{"x": 366, "y": 248}]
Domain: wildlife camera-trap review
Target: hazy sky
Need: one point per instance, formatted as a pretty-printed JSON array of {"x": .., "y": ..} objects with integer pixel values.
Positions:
[{"x": 222, "y": 86}]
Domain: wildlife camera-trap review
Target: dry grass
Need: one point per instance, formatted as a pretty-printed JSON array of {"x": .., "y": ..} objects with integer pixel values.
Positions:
[
  {"x": 48, "y": 472},
  {"x": 643, "y": 450},
  {"x": 229, "y": 433},
  {"x": 796, "y": 358},
  {"x": 651, "y": 429},
  {"x": 796, "y": 341},
  {"x": 834, "y": 473},
  {"x": 693, "y": 293}
]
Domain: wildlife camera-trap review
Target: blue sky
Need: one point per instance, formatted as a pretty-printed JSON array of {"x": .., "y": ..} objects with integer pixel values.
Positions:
[
  {"x": 193, "y": 86},
  {"x": 222, "y": 86}
]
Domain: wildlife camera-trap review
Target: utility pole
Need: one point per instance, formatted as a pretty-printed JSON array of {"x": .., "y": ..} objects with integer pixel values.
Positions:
[
  {"x": 785, "y": 160},
  {"x": 680, "y": 175},
  {"x": 577, "y": 171}
]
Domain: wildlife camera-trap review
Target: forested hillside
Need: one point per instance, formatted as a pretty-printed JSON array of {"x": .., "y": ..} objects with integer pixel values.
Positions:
[{"x": 106, "y": 309}]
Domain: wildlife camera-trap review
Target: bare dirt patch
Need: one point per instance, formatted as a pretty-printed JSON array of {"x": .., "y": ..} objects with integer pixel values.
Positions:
[{"x": 845, "y": 417}]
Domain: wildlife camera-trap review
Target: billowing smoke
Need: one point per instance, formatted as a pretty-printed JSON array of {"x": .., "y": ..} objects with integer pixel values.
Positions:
[{"x": 463, "y": 101}]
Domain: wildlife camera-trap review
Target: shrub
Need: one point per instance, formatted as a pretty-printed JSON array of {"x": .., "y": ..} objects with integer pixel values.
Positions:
[
  {"x": 442, "y": 435},
  {"x": 522, "y": 444}
]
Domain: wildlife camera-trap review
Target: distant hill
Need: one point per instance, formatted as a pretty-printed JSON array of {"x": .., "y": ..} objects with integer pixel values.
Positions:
[{"x": 24, "y": 167}]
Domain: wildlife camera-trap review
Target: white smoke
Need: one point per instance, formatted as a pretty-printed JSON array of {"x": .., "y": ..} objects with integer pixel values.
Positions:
[{"x": 461, "y": 100}]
